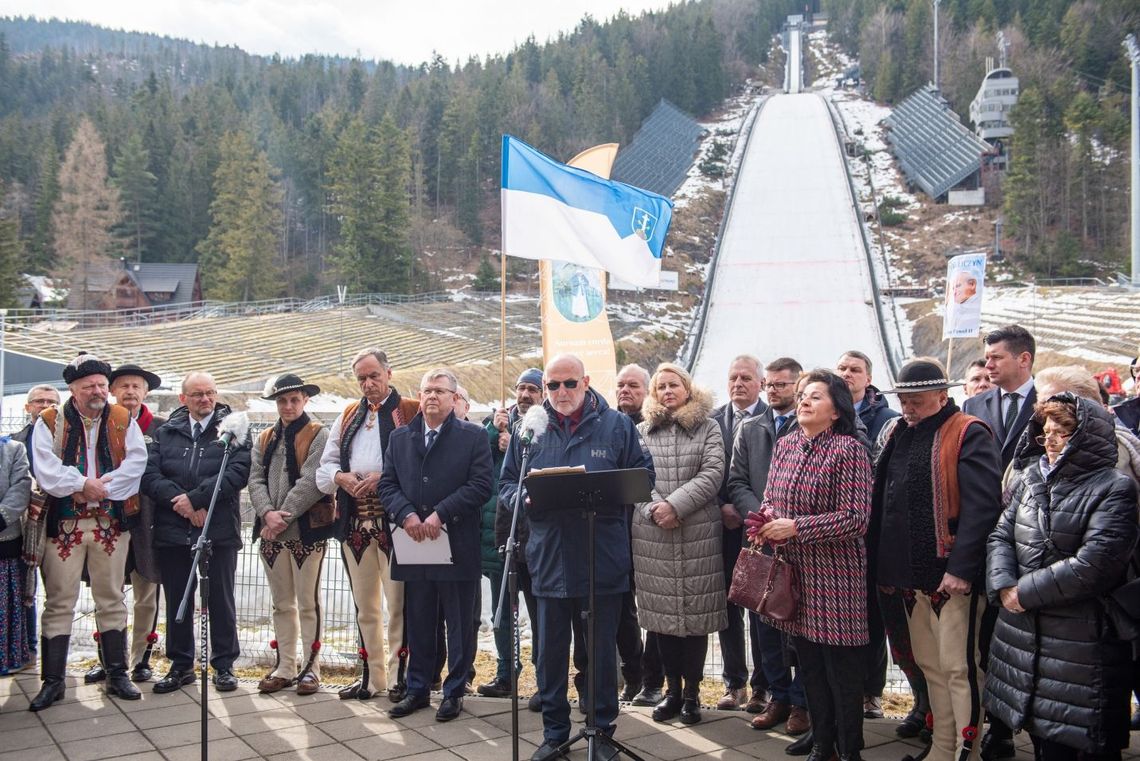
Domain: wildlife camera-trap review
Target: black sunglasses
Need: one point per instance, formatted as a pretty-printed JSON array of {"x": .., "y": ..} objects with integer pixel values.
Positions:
[{"x": 554, "y": 385}]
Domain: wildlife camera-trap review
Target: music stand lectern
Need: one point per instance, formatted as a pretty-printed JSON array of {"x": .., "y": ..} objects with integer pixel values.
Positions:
[{"x": 603, "y": 492}]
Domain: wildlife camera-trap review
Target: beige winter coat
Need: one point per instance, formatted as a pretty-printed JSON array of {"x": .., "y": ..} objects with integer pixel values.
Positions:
[{"x": 678, "y": 572}]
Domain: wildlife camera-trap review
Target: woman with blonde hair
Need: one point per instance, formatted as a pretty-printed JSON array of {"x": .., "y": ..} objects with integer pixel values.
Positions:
[{"x": 677, "y": 564}]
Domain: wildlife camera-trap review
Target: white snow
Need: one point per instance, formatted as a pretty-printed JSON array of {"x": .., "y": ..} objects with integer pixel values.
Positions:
[{"x": 792, "y": 278}]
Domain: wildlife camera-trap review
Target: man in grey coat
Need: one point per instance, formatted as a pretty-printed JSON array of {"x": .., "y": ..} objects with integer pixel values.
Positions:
[{"x": 753, "y": 448}]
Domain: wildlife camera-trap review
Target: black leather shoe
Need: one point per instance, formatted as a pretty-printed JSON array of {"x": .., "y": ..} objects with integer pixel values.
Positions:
[
  {"x": 668, "y": 709},
  {"x": 546, "y": 751},
  {"x": 629, "y": 692},
  {"x": 51, "y": 691},
  {"x": 397, "y": 693},
  {"x": 802, "y": 746},
  {"x": 534, "y": 703},
  {"x": 174, "y": 680},
  {"x": 409, "y": 705},
  {"x": 913, "y": 723},
  {"x": 354, "y": 691},
  {"x": 225, "y": 681},
  {"x": 996, "y": 748},
  {"x": 649, "y": 696},
  {"x": 141, "y": 673},
  {"x": 690, "y": 711},
  {"x": 820, "y": 754},
  {"x": 119, "y": 685},
  {"x": 449, "y": 709},
  {"x": 94, "y": 675},
  {"x": 496, "y": 688}
]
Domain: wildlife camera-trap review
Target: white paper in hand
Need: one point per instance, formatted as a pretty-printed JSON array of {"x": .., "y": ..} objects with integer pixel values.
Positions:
[{"x": 427, "y": 552}]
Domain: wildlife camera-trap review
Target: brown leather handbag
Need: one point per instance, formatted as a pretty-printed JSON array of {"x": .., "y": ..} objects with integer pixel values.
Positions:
[{"x": 765, "y": 584}]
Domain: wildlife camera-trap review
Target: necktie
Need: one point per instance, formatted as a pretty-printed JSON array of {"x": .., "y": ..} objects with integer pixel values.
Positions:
[
  {"x": 197, "y": 430},
  {"x": 1011, "y": 412},
  {"x": 737, "y": 417},
  {"x": 780, "y": 420},
  {"x": 431, "y": 438}
]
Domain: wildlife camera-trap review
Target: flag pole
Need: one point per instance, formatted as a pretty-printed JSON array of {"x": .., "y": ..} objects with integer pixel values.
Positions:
[{"x": 503, "y": 326}]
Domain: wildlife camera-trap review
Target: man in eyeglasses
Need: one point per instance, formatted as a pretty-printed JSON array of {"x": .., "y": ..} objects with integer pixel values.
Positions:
[
  {"x": 185, "y": 465},
  {"x": 582, "y": 430},
  {"x": 753, "y": 447}
]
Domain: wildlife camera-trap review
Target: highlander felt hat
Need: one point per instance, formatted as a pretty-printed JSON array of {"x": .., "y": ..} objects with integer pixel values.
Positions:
[
  {"x": 283, "y": 384},
  {"x": 921, "y": 375},
  {"x": 152, "y": 380},
  {"x": 83, "y": 365}
]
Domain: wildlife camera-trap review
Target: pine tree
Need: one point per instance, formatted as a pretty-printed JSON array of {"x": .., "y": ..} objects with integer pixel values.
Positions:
[
  {"x": 137, "y": 194},
  {"x": 369, "y": 177},
  {"x": 11, "y": 259},
  {"x": 84, "y": 216},
  {"x": 238, "y": 257}
]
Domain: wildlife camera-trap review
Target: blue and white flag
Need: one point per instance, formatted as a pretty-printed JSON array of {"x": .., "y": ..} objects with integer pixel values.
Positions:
[{"x": 559, "y": 212}]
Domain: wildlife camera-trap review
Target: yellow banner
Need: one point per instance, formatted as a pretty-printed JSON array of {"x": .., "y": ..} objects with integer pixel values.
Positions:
[{"x": 574, "y": 301}]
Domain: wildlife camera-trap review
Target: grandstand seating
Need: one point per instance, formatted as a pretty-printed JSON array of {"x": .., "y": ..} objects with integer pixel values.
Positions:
[
  {"x": 934, "y": 149},
  {"x": 1088, "y": 324},
  {"x": 246, "y": 350}
]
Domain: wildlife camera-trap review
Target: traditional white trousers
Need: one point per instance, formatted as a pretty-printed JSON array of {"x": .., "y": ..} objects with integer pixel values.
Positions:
[
  {"x": 293, "y": 571},
  {"x": 945, "y": 647},
  {"x": 104, "y": 550},
  {"x": 144, "y": 615},
  {"x": 371, "y": 578}
]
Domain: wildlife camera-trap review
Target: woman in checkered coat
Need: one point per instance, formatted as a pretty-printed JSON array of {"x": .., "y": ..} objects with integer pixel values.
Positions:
[{"x": 817, "y": 505}]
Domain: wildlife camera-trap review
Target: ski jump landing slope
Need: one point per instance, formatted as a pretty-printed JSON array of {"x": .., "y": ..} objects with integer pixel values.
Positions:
[{"x": 791, "y": 277}]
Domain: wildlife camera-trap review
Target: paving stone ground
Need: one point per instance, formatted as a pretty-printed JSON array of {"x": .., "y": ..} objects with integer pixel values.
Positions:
[{"x": 87, "y": 726}]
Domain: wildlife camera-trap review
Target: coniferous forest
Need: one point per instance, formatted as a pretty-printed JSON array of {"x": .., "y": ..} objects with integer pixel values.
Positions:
[{"x": 284, "y": 176}]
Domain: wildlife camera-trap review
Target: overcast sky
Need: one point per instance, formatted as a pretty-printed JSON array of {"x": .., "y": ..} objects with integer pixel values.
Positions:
[{"x": 405, "y": 31}]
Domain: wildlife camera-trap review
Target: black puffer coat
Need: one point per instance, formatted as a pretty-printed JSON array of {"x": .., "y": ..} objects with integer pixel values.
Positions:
[{"x": 1058, "y": 670}]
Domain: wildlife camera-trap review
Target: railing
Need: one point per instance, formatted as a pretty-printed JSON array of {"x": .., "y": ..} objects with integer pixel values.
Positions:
[
  {"x": 893, "y": 351},
  {"x": 691, "y": 349},
  {"x": 1061, "y": 282}
]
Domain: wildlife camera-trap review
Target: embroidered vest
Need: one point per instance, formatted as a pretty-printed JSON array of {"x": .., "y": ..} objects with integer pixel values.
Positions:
[
  {"x": 317, "y": 522},
  {"x": 118, "y": 420}
]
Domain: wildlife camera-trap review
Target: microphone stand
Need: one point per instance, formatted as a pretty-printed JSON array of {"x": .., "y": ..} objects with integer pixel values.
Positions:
[
  {"x": 202, "y": 551},
  {"x": 508, "y": 593}
]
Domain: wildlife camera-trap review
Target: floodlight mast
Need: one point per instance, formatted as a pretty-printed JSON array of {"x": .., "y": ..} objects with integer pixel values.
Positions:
[{"x": 1134, "y": 54}]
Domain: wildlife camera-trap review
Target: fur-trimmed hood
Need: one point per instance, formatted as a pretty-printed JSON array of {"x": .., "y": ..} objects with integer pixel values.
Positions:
[{"x": 691, "y": 415}]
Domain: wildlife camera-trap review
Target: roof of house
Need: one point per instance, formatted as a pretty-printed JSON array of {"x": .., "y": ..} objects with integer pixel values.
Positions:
[{"x": 156, "y": 277}]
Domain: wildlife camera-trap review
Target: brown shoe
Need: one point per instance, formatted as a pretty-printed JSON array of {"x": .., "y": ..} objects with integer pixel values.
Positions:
[
  {"x": 798, "y": 721},
  {"x": 774, "y": 713},
  {"x": 273, "y": 684},
  {"x": 758, "y": 702},
  {"x": 732, "y": 699},
  {"x": 309, "y": 685}
]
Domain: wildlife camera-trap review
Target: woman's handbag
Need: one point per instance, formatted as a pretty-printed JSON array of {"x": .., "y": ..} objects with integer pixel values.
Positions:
[
  {"x": 765, "y": 584},
  {"x": 35, "y": 540}
]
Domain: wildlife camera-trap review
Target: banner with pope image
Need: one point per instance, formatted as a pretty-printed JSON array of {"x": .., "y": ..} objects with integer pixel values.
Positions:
[{"x": 965, "y": 284}]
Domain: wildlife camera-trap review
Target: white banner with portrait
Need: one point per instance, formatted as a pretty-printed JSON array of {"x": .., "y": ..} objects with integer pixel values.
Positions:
[{"x": 965, "y": 284}]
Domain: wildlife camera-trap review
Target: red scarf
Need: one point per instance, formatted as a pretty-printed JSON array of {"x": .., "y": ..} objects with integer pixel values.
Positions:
[{"x": 144, "y": 419}]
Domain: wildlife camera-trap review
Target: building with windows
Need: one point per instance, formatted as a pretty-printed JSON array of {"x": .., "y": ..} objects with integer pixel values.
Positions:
[{"x": 990, "y": 108}]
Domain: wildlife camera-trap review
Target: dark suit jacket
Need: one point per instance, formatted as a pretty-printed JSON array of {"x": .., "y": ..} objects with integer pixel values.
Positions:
[
  {"x": 723, "y": 417},
  {"x": 987, "y": 406},
  {"x": 752, "y": 453},
  {"x": 453, "y": 480}
]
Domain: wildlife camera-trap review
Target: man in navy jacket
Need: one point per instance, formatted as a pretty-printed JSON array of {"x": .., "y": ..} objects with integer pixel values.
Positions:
[
  {"x": 436, "y": 477},
  {"x": 582, "y": 429}
]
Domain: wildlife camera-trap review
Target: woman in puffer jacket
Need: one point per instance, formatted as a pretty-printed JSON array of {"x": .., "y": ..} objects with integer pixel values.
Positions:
[
  {"x": 678, "y": 571},
  {"x": 1057, "y": 668}
]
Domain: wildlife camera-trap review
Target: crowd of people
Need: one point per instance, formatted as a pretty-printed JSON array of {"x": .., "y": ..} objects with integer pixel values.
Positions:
[{"x": 989, "y": 548}]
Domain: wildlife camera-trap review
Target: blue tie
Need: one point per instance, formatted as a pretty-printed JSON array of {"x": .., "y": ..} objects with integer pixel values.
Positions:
[
  {"x": 431, "y": 438},
  {"x": 780, "y": 420}
]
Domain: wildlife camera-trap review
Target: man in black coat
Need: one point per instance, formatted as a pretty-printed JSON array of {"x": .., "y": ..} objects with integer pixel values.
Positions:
[
  {"x": 436, "y": 477},
  {"x": 1006, "y": 409},
  {"x": 183, "y": 468},
  {"x": 745, "y": 381},
  {"x": 934, "y": 504}
]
